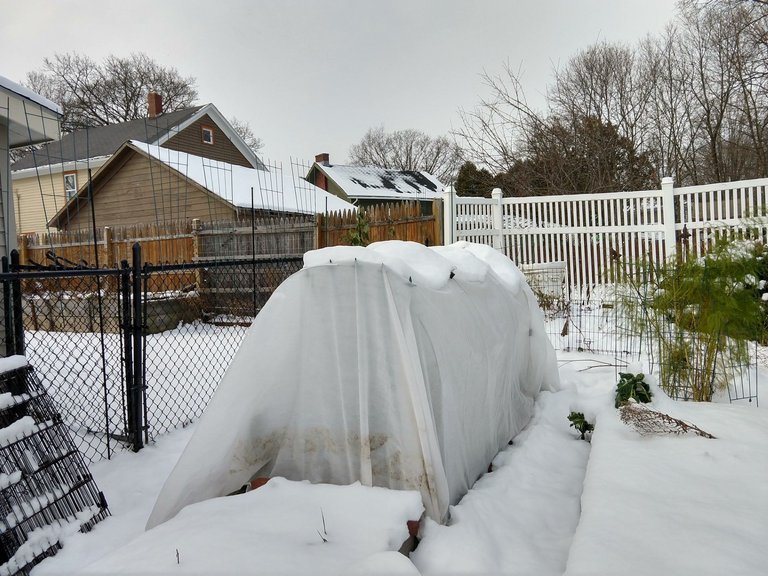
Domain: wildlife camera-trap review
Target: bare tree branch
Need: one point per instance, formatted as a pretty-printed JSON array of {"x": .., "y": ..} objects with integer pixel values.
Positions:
[
  {"x": 408, "y": 150},
  {"x": 93, "y": 94}
]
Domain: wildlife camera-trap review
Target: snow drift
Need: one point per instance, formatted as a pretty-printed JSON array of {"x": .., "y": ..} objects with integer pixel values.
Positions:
[{"x": 394, "y": 365}]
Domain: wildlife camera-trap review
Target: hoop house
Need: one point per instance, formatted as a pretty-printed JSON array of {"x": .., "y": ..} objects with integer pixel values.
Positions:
[{"x": 394, "y": 365}]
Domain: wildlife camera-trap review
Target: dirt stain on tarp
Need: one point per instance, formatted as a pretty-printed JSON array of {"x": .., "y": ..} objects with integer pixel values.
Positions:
[{"x": 390, "y": 468}]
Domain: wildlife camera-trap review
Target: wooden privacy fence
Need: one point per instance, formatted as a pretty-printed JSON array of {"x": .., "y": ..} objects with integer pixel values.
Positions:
[
  {"x": 395, "y": 221},
  {"x": 600, "y": 236},
  {"x": 197, "y": 240}
]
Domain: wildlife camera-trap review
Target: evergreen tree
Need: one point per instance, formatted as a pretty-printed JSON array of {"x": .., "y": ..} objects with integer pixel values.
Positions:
[{"x": 473, "y": 182}]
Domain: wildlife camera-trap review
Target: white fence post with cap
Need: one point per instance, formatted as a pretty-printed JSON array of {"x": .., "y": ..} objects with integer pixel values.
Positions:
[
  {"x": 668, "y": 205},
  {"x": 496, "y": 219},
  {"x": 449, "y": 216}
]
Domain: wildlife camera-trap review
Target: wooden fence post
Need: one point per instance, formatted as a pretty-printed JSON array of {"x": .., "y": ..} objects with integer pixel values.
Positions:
[
  {"x": 319, "y": 218},
  {"x": 668, "y": 201},
  {"x": 448, "y": 216},
  {"x": 109, "y": 248},
  {"x": 24, "y": 249},
  {"x": 437, "y": 222},
  {"x": 197, "y": 228}
]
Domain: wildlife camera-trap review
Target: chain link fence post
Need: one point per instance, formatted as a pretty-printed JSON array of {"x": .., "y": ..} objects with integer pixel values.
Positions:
[
  {"x": 135, "y": 392},
  {"x": 18, "y": 319}
]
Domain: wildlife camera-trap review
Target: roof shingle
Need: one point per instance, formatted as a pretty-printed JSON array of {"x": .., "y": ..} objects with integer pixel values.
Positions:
[{"x": 103, "y": 140}]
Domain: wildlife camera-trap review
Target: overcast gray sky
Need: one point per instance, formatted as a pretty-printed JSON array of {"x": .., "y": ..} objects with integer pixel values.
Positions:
[{"x": 313, "y": 76}]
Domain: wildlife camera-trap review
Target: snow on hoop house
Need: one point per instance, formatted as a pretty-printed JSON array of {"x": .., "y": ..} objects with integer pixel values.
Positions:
[{"x": 394, "y": 365}]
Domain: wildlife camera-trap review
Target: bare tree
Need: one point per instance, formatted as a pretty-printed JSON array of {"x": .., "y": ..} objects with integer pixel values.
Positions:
[
  {"x": 115, "y": 90},
  {"x": 245, "y": 132},
  {"x": 608, "y": 82},
  {"x": 493, "y": 132},
  {"x": 673, "y": 127},
  {"x": 576, "y": 148},
  {"x": 692, "y": 103},
  {"x": 749, "y": 61},
  {"x": 408, "y": 150}
]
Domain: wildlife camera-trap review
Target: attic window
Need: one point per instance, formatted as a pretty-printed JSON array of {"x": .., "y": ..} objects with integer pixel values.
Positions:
[
  {"x": 207, "y": 135},
  {"x": 70, "y": 184}
]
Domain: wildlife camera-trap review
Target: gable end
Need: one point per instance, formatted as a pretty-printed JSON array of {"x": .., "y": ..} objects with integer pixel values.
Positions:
[{"x": 221, "y": 148}]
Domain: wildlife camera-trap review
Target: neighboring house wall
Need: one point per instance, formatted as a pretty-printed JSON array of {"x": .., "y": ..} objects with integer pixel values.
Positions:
[
  {"x": 191, "y": 140},
  {"x": 143, "y": 191},
  {"x": 336, "y": 190},
  {"x": 37, "y": 200}
]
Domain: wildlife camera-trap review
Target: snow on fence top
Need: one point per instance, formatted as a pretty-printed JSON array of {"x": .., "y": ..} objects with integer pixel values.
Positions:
[{"x": 394, "y": 365}]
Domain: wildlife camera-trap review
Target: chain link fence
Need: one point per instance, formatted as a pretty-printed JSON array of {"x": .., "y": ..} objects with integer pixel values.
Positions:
[
  {"x": 71, "y": 326},
  {"x": 128, "y": 354},
  {"x": 196, "y": 317}
]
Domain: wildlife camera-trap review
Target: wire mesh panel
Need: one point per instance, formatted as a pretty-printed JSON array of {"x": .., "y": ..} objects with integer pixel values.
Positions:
[
  {"x": 598, "y": 325},
  {"x": 695, "y": 365},
  {"x": 194, "y": 328},
  {"x": 46, "y": 489}
]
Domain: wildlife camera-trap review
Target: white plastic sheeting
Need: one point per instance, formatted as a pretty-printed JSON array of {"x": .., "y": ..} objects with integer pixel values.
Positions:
[{"x": 395, "y": 365}]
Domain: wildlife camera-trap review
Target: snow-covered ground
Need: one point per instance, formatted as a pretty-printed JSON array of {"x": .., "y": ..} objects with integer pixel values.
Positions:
[{"x": 553, "y": 504}]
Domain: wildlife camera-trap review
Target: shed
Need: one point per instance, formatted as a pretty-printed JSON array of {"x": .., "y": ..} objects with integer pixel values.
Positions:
[{"x": 370, "y": 185}]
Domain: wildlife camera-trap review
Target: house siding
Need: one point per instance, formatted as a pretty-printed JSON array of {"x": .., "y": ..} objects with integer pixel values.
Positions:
[
  {"x": 190, "y": 140},
  {"x": 144, "y": 191},
  {"x": 36, "y": 201}
]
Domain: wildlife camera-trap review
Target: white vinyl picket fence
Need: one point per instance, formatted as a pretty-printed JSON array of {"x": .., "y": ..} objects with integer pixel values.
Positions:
[{"x": 599, "y": 235}]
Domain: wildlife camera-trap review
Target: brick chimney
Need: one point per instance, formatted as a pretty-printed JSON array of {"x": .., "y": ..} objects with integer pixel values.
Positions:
[
  {"x": 155, "y": 104},
  {"x": 321, "y": 181}
]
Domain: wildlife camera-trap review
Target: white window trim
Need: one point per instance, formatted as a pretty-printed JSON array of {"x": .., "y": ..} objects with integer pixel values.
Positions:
[
  {"x": 70, "y": 192},
  {"x": 208, "y": 129}
]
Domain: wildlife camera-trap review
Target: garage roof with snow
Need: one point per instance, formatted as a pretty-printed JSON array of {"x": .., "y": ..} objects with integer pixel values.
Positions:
[{"x": 373, "y": 183}]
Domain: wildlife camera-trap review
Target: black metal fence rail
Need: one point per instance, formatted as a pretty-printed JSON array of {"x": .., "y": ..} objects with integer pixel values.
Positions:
[{"x": 132, "y": 352}]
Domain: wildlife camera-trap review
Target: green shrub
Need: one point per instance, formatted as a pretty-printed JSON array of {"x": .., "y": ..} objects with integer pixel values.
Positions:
[
  {"x": 632, "y": 386},
  {"x": 358, "y": 236},
  {"x": 701, "y": 313}
]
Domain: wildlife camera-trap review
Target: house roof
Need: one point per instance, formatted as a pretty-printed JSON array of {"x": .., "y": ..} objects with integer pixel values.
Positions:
[
  {"x": 31, "y": 119},
  {"x": 370, "y": 182},
  {"x": 101, "y": 141},
  {"x": 272, "y": 189}
]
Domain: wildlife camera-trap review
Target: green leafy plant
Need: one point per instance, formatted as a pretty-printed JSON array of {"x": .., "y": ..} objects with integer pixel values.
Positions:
[
  {"x": 700, "y": 314},
  {"x": 632, "y": 386},
  {"x": 579, "y": 422},
  {"x": 358, "y": 236}
]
